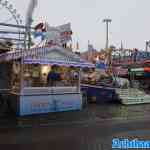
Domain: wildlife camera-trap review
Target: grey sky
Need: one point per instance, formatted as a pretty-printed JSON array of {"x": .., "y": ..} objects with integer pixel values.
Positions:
[{"x": 130, "y": 19}]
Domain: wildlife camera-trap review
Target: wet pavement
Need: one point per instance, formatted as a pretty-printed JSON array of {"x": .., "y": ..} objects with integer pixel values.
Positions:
[
  {"x": 91, "y": 113},
  {"x": 90, "y": 129}
]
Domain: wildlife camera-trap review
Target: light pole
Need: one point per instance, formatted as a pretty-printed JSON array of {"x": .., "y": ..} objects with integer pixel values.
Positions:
[
  {"x": 147, "y": 45},
  {"x": 107, "y": 21}
]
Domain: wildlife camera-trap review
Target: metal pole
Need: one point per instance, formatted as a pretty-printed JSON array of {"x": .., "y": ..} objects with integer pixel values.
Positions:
[
  {"x": 107, "y": 35},
  {"x": 22, "y": 63},
  {"x": 107, "y": 21},
  {"x": 22, "y": 58},
  {"x": 147, "y": 45},
  {"x": 13, "y": 39},
  {"x": 11, "y": 32},
  {"x": 14, "y": 25},
  {"x": 79, "y": 81},
  {"x": 29, "y": 38}
]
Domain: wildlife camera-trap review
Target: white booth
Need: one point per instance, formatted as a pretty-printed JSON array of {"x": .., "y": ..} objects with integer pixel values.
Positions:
[{"x": 31, "y": 92}]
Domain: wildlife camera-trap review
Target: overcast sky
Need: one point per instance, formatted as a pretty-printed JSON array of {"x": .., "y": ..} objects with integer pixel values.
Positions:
[{"x": 130, "y": 19}]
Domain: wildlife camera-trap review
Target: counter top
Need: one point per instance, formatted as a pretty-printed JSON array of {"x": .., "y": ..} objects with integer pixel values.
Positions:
[{"x": 30, "y": 91}]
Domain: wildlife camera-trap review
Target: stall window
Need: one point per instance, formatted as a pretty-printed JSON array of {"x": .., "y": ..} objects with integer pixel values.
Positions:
[{"x": 51, "y": 76}]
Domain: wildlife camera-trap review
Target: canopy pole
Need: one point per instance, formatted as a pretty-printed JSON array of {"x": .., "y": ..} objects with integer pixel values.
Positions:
[
  {"x": 79, "y": 81},
  {"x": 22, "y": 62}
]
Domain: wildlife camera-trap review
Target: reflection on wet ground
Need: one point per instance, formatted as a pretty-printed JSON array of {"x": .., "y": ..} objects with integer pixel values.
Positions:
[
  {"x": 111, "y": 111},
  {"x": 91, "y": 113},
  {"x": 79, "y": 129}
]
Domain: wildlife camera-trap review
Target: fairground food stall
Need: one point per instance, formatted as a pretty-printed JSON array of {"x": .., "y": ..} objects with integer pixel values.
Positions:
[{"x": 31, "y": 92}]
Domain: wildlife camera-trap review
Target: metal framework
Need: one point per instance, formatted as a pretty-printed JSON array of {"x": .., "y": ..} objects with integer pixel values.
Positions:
[
  {"x": 13, "y": 12},
  {"x": 18, "y": 21}
]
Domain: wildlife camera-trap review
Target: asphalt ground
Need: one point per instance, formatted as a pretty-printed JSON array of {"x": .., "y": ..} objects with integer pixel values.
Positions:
[
  {"x": 92, "y": 112},
  {"x": 93, "y": 128}
]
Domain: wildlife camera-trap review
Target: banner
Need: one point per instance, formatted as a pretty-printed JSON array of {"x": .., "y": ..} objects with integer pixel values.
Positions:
[
  {"x": 64, "y": 31},
  {"x": 54, "y": 35},
  {"x": 120, "y": 71}
]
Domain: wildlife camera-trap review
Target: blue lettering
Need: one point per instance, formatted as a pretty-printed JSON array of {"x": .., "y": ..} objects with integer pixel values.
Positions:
[
  {"x": 130, "y": 144},
  {"x": 116, "y": 143}
]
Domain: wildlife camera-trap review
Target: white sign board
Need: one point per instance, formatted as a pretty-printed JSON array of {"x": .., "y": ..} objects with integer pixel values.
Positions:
[{"x": 49, "y": 103}]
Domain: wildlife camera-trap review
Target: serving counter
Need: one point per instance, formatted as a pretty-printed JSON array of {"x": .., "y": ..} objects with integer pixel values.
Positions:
[{"x": 38, "y": 100}]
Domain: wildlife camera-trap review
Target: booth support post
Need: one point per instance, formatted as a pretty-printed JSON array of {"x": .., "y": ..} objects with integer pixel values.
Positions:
[
  {"x": 79, "y": 84},
  {"x": 22, "y": 61}
]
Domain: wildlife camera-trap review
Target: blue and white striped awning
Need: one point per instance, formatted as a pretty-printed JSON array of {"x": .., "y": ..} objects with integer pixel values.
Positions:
[
  {"x": 59, "y": 63},
  {"x": 39, "y": 56}
]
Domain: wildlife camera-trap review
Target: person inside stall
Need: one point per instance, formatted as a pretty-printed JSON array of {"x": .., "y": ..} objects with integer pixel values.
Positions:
[
  {"x": 53, "y": 77},
  {"x": 74, "y": 75}
]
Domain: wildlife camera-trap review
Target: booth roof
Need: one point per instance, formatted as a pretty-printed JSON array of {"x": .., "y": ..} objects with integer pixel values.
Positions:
[
  {"x": 39, "y": 51},
  {"x": 59, "y": 63},
  {"x": 44, "y": 55},
  {"x": 67, "y": 63}
]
